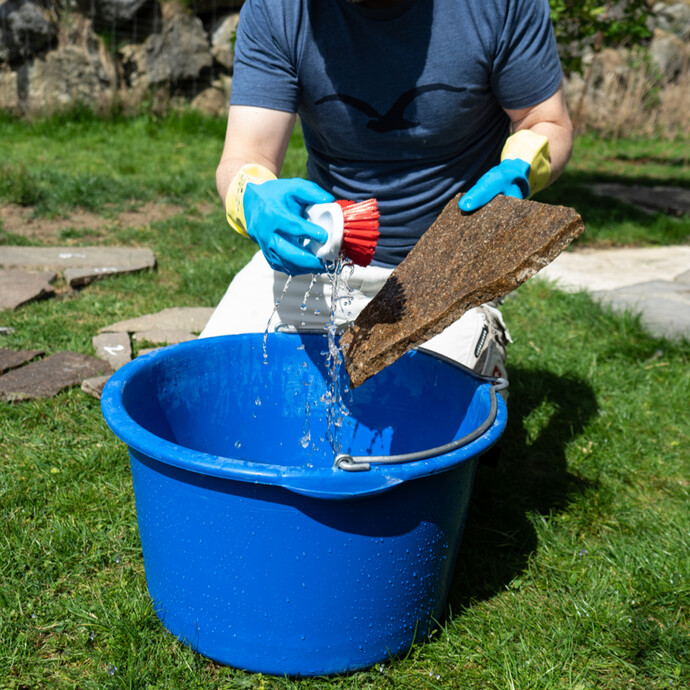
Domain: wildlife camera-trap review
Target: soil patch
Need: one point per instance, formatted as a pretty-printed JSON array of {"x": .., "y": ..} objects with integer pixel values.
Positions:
[{"x": 18, "y": 220}]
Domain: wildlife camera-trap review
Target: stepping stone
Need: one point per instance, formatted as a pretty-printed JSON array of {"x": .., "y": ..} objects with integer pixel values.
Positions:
[
  {"x": 163, "y": 337},
  {"x": 113, "y": 348},
  {"x": 189, "y": 319},
  {"x": 47, "y": 377},
  {"x": 19, "y": 287},
  {"x": 94, "y": 386},
  {"x": 81, "y": 265},
  {"x": 11, "y": 359},
  {"x": 663, "y": 306},
  {"x": 463, "y": 260},
  {"x": 673, "y": 200}
]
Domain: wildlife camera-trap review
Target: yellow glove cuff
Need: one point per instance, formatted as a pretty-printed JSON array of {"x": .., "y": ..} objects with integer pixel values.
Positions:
[
  {"x": 234, "y": 208},
  {"x": 534, "y": 149}
]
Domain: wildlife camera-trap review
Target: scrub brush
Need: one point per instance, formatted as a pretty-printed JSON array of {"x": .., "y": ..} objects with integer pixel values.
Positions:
[{"x": 353, "y": 230}]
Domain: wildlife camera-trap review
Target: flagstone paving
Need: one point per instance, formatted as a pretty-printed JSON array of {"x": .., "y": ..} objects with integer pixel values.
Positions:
[
  {"x": 19, "y": 287},
  {"x": 45, "y": 378}
]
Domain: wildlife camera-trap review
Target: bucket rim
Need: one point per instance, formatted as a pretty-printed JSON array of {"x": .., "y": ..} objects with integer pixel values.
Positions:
[{"x": 325, "y": 483}]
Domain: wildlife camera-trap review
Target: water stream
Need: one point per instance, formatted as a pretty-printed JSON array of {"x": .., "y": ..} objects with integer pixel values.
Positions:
[{"x": 341, "y": 296}]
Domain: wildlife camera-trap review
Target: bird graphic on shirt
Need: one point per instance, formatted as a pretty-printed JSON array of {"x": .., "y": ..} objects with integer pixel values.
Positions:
[{"x": 394, "y": 118}]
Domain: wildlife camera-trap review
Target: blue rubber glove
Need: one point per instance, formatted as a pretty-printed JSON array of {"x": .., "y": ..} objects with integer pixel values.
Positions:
[
  {"x": 509, "y": 177},
  {"x": 274, "y": 212}
]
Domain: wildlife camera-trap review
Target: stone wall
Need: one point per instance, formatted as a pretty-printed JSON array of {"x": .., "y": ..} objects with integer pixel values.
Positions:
[
  {"x": 55, "y": 53},
  {"x": 102, "y": 53}
]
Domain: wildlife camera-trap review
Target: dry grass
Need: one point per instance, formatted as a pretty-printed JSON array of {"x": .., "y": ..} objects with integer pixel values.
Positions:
[{"x": 626, "y": 97}]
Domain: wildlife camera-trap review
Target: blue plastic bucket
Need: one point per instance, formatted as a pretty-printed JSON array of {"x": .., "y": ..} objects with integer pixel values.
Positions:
[{"x": 267, "y": 555}]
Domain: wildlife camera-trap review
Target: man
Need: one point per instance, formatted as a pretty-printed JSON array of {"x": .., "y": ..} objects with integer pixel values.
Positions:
[{"x": 407, "y": 101}]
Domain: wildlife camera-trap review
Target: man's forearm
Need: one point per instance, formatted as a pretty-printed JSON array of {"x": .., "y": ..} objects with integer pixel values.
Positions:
[{"x": 560, "y": 136}]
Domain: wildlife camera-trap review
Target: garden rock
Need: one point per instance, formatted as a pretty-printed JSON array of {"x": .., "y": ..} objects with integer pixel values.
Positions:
[
  {"x": 674, "y": 18},
  {"x": 669, "y": 54},
  {"x": 25, "y": 30},
  {"x": 47, "y": 377},
  {"x": 11, "y": 359},
  {"x": 113, "y": 348},
  {"x": 222, "y": 40},
  {"x": 113, "y": 14},
  {"x": 70, "y": 73},
  {"x": 178, "y": 53},
  {"x": 20, "y": 287}
]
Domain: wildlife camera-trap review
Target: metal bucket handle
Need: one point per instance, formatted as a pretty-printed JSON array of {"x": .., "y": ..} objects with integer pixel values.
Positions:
[{"x": 362, "y": 463}]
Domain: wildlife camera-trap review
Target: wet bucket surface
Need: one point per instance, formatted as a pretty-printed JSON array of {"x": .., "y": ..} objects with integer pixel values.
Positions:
[{"x": 259, "y": 552}]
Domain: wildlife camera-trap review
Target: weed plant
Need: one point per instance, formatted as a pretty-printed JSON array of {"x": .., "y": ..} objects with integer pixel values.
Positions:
[{"x": 574, "y": 569}]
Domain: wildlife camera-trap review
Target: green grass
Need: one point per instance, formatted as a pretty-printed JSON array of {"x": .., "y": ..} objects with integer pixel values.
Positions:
[{"x": 574, "y": 569}]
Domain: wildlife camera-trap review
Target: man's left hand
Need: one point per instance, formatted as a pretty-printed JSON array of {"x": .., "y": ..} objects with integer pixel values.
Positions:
[{"x": 510, "y": 177}]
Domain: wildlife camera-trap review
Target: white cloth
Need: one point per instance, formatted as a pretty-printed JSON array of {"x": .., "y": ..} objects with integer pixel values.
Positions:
[{"x": 256, "y": 301}]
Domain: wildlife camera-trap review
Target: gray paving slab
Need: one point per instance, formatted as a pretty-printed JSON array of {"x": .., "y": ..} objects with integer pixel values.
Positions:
[
  {"x": 189, "y": 319},
  {"x": 664, "y": 199},
  {"x": 81, "y": 277},
  {"x": 113, "y": 348},
  {"x": 610, "y": 269},
  {"x": 653, "y": 282},
  {"x": 94, "y": 386},
  {"x": 62, "y": 258},
  {"x": 19, "y": 287},
  {"x": 664, "y": 307},
  {"x": 47, "y": 377},
  {"x": 11, "y": 359}
]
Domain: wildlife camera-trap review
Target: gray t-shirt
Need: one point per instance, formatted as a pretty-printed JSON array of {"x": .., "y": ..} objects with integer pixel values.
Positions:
[{"x": 403, "y": 104}]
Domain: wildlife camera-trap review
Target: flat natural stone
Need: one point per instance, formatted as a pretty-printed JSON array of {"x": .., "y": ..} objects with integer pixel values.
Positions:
[
  {"x": 673, "y": 200},
  {"x": 11, "y": 359},
  {"x": 147, "y": 351},
  {"x": 163, "y": 337},
  {"x": 462, "y": 261},
  {"x": 615, "y": 267},
  {"x": 113, "y": 348},
  {"x": 663, "y": 306},
  {"x": 19, "y": 287},
  {"x": 94, "y": 386},
  {"x": 189, "y": 319},
  {"x": 62, "y": 258},
  {"x": 47, "y": 377},
  {"x": 684, "y": 277},
  {"x": 81, "y": 277}
]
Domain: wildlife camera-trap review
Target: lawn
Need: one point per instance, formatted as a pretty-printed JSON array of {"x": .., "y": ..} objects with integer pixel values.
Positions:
[{"x": 574, "y": 571}]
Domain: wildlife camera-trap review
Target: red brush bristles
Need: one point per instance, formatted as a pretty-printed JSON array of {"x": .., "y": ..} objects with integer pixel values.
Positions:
[{"x": 361, "y": 232}]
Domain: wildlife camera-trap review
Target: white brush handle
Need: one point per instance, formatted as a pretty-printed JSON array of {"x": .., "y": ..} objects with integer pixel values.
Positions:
[{"x": 330, "y": 218}]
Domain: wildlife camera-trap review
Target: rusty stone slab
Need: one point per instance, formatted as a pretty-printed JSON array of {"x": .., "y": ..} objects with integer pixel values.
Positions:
[
  {"x": 189, "y": 319},
  {"x": 462, "y": 261},
  {"x": 11, "y": 359},
  {"x": 19, "y": 287},
  {"x": 113, "y": 348},
  {"x": 47, "y": 377}
]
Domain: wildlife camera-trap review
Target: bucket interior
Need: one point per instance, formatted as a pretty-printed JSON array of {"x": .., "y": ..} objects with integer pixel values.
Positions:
[{"x": 264, "y": 402}]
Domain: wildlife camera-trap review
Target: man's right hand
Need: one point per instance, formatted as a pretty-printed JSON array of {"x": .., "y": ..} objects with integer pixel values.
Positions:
[{"x": 274, "y": 214}]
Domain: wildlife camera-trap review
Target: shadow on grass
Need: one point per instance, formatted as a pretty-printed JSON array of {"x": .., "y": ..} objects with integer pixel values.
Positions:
[{"x": 530, "y": 476}]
